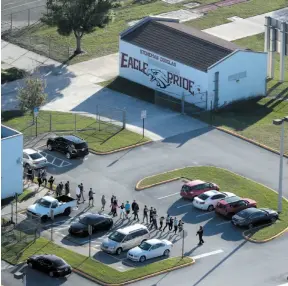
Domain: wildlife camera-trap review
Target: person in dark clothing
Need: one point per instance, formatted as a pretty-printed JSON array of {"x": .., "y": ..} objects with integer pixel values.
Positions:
[
  {"x": 43, "y": 175},
  {"x": 58, "y": 190},
  {"x": 133, "y": 206},
  {"x": 154, "y": 221},
  {"x": 112, "y": 199},
  {"x": 167, "y": 221},
  {"x": 91, "y": 197},
  {"x": 145, "y": 214},
  {"x": 180, "y": 225},
  {"x": 30, "y": 174},
  {"x": 151, "y": 214},
  {"x": 82, "y": 191},
  {"x": 175, "y": 222},
  {"x": 67, "y": 188},
  {"x": 136, "y": 210},
  {"x": 200, "y": 235},
  {"x": 51, "y": 182},
  {"x": 161, "y": 222},
  {"x": 170, "y": 223},
  {"x": 39, "y": 180},
  {"x": 114, "y": 207}
]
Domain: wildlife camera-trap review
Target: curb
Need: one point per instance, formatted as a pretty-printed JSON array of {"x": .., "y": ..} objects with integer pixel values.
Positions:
[
  {"x": 87, "y": 276},
  {"x": 120, "y": 149},
  {"x": 249, "y": 140}
]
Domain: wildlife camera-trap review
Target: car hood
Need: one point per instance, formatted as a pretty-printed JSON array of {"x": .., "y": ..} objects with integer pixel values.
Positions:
[
  {"x": 78, "y": 226},
  {"x": 136, "y": 251},
  {"x": 38, "y": 209},
  {"x": 109, "y": 242}
]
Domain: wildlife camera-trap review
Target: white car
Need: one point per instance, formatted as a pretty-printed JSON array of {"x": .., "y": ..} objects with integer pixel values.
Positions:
[
  {"x": 208, "y": 200},
  {"x": 149, "y": 249},
  {"x": 33, "y": 159}
]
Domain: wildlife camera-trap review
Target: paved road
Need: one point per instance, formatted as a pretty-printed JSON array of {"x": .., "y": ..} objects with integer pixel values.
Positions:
[{"x": 35, "y": 278}]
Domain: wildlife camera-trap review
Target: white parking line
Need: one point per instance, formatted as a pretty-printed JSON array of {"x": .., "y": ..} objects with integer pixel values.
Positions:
[
  {"x": 62, "y": 164},
  {"x": 20, "y": 5},
  {"x": 225, "y": 222},
  {"x": 205, "y": 214},
  {"x": 168, "y": 196},
  {"x": 185, "y": 205},
  {"x": 207, "y": 254}
]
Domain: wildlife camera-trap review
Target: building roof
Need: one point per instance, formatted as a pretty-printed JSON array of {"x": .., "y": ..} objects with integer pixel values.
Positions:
[
  {"x": 179, "y": 42},
  {"x": 7, "y": 132}
]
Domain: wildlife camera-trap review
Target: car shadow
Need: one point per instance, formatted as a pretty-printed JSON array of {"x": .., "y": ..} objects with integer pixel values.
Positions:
[
  {"x": 135, "y": 264},
  {"x": 109, "y": 259}
]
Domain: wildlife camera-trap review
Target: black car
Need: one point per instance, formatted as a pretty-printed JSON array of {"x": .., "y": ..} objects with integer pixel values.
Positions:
[
  {"x": 70, "y": 145},
  {"x": 253, "y": 216},
  {"x": 51, "y": 264},
  {"x": 97, "y": 221}
]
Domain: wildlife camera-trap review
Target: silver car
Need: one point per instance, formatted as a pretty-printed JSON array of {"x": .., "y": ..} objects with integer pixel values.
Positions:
[
  {"x": 125, "y": 238},
  {"x": 33, "y": 159}
]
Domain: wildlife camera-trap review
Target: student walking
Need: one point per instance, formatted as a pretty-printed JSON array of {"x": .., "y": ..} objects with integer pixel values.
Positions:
[
  {"x": 135, "y": 212},
  {"x": 127, "y": 208},
  {"x": 122, "y": 211},
  {"x": 51, "y": 182},
  {"x": 114, "y": 207},
  {"x": 170, "y": 223},
  {"x": 39, "y": 180},
  {"x": 82, "y": 191},
  {"x": 154, "y": 221},
  {"x": 91, "y": 197},
  {"x": 151, "y": 215},
  {"x": 145, "y": 214},
  {"x": 78, "y": 194},
  {"x": 67, "y": 188},
  {"x": 43, "y": 175},
  {"x": 161, "y": 222},
  {"x": 103, "y": 203},
  {"x": 30, "y": 174},
  {"x": 175, "y": 225},
  {"x": 58, "y": 190},
  {"x": 167, "y": 221},
  {"x": 200, "y": 235},
  {"x": 133, "y": 206},
  {"x": 180, "y": 225}
]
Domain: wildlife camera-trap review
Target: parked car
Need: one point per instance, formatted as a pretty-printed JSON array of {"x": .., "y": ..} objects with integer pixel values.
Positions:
[
  {"x": 51, "y": 264},
  {"x": 150, "y": 249},
  {"x": 71, "y": 145},
  {"x": 232, "y": 205},
  {"x": 208, "y": 200},
  {"x": 97, "y": 221},
  {"x": 125, "y": 238},
  {"x": 33, "y": 159},
  {"x": 252, "y": 216},
  {"x": 60, "y": 205},
  {"x": 195, "y": 188}
]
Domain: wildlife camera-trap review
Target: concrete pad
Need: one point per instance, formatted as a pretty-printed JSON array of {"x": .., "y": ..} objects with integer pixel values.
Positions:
[
  {"x": 173, "y": 1},
  {"x": 182, "y": 15},
  {"x": 191, "y": 5}
]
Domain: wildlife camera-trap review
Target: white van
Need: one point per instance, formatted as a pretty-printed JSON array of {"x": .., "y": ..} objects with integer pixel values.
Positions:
[{"x": 125, "y": 238}]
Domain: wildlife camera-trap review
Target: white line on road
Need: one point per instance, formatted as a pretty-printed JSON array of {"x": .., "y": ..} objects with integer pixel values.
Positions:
[
  {"x": 52, "y": 163},
  {"x": 185, "y": 205},
  {"x": 225, "y": 222},
  {"x": 20, "y": 5},
  {"x": 168, "y": 196},
  {"x": 204, "y": 214},
  {"x": 207, "y": 254}
]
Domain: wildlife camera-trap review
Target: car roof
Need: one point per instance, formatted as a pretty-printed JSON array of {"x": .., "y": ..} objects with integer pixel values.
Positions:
[
  {"x": 229, "y": 194},
  {"x": 51, "y": 257},
  {"x": 73, "y": 138},
  {"x": 194, "y": 183},
  {"x": 129, "y": 229},
  {"x": 49, "y": 198},
  {"x": 212, "y": 193},
  {"x": 95, "y": 217},
  {"x": 251, "y": 210},
  {"x": 30, "y": 151},
  {"x": 230, "y": 200},
  {"x": 153, "y": 241}
]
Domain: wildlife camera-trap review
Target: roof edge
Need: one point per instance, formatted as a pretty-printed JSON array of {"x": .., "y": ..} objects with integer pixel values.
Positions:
[{"x": 145, "y": 20}]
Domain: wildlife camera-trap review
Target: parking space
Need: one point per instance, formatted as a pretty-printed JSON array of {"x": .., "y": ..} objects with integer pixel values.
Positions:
[{"x": 55, "y": 160}]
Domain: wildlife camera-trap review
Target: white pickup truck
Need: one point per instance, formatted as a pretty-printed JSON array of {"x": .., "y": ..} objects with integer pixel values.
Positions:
[{"x": 60, "y": 205}]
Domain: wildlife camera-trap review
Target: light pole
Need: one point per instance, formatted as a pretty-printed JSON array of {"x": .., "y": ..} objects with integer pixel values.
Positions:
[{"x": 281, "y": 123}]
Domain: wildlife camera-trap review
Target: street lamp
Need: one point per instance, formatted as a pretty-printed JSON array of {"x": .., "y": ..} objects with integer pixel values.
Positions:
[{"x": 280, "y": 122}]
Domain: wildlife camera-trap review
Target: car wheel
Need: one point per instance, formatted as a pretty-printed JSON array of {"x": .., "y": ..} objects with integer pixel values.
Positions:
[
  {"x": 51, "y": 273},
  {"x": 210, "y": 208},
  {"x": 30, "y": 265},
  {"x": 49, "y": 147},
  {"x": 273, "y": 219},
  {"x": 250, "y": 225},
  {"x": 166, "y": 252},
  {"x": 68, "y": 155},
  {"x": 119, "y": 251},
  {"x": 67, "y": 211},
  {"x": 142, "y": 259},
  {"x": 44, "y": 218}
]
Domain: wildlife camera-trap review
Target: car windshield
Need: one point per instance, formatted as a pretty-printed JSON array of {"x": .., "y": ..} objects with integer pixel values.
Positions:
[
  {"x": 35, "y": 156},
  {"x": 185, "y": 188},
  {"x": 145, "y": 246},
  {"x": 116, "y": 236},
  {"x": 203, "y": 197},
  {"x": 44, "y": 203},
  {"x": 59, "y": 262},
  {"x": 243, "y": 214},
  {"x": 80, "y": 145}
]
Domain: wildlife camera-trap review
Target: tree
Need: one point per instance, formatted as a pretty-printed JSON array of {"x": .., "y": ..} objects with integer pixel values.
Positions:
[
  {"x": 32, "y": 94},
  {"x": 78, "y": 16}
]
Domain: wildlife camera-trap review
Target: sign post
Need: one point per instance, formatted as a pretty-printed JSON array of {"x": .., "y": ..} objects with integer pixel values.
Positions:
[
  {"x": 52, "y": 225},
  {"x": 35, "y": 112},
  {"x": 143, "y": 116},
  {"x": 182, "y": 243},
  {"x": 90, "y": 233}
]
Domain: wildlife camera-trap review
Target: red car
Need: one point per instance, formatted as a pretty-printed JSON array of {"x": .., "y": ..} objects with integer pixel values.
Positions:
[
  {"x": 195, "y": 188},
  {"x": 232, "y": 205}
]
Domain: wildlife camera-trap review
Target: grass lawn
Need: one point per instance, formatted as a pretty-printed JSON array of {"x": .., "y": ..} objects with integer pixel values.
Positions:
[
  {"x": 11, "y": 74},
  {"x": 110, "y": 137},
  {"x": 27, "y": 194},
  {"x": 105, "y": 41},
  {"x": 233, "y": 183},
  {"x": 18, "y": 253}
]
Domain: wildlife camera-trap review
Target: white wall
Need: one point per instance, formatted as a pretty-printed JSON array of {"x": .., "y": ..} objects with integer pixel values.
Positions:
[
  {"x": 175, "y": 79},
  {"x": 11, "y": 172},
  {"x": 254, "y": 84}
]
